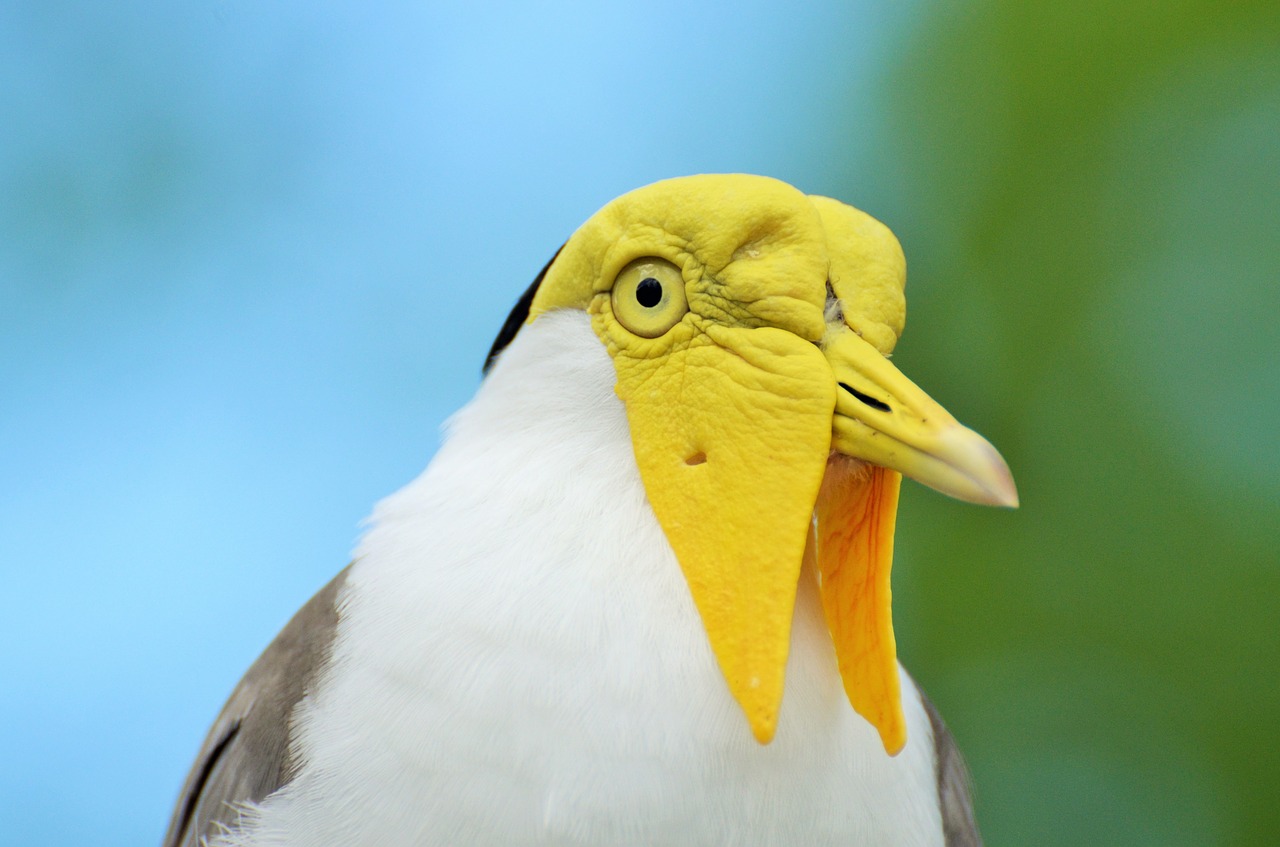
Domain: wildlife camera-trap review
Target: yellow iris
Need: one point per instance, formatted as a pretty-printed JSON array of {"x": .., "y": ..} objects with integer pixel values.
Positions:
[{"x": 649, "y": 296}]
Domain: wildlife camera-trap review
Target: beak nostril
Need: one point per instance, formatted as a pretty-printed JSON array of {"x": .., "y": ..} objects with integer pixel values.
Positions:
[{"x": 870, "y": 401}]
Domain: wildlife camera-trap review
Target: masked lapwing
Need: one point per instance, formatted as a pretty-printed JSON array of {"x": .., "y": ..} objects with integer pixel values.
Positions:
[{"x": 641, "y": 594}]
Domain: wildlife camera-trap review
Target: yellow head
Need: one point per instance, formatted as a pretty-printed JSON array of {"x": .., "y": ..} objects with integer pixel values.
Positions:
[{"x": 749, "y": 325}]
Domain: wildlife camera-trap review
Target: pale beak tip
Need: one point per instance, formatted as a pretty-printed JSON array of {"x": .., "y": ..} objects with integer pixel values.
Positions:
[
  {"x": 1004, "y": 492},
  {"x": 1006, "y": 496},
  {"x": 989, "y": 481},
  {"x": 996, "y": 479}
]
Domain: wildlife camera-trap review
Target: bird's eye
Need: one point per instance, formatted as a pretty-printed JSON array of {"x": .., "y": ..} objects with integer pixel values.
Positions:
[{"x": 648, "y": 296}]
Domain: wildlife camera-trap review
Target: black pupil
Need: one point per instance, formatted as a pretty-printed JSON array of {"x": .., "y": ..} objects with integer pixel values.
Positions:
[{"x": 649, "y": 292}]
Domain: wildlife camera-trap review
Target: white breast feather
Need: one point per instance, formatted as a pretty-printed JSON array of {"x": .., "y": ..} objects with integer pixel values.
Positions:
[{"x": 519, "y": 661}]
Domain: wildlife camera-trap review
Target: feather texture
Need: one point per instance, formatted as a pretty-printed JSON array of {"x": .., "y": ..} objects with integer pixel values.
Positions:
[{"x": 518, "y": 661}]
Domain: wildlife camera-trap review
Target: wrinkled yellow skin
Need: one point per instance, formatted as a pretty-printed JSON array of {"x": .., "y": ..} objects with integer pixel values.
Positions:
[
  {"x": 757, "y": 251},
  {"x": 868, "y": 272},
  {"x": 732, "y": 413}
]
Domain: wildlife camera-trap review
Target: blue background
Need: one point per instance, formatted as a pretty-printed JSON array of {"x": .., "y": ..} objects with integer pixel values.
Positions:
[{"x": 252, "y": 255}]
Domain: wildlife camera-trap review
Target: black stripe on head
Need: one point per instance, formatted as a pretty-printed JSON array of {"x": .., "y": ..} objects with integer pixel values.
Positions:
[{"x": 519, "y": 314}]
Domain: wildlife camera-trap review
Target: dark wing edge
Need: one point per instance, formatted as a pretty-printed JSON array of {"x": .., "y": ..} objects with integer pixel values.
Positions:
[
  {"x": 959, "y": 829},
  {"x": 246, "y": 755},
  {"x": 519, "y": 314}
]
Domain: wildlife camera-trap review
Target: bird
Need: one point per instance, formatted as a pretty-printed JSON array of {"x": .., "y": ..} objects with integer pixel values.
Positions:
[{"x": 670, "y": 503}]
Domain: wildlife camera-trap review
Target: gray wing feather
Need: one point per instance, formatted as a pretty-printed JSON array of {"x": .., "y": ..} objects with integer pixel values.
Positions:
[
  {"x": 246, "y": 755},
  {"x": 958, "y": 826}
]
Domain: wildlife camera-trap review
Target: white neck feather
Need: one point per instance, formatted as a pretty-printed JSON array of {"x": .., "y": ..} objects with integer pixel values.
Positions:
[{"x": 519, "y": 661}]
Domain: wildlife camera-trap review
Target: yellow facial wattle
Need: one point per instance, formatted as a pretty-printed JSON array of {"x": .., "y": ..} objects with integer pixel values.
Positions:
[{"x": 748, "y": 324}]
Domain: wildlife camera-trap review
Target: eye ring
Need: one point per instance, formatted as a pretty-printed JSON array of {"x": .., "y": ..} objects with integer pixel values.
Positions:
[{"x": 648, "y": 296}]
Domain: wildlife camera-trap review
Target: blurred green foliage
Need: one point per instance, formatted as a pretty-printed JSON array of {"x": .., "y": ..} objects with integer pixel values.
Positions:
[{"x": 1088, "y": 197}]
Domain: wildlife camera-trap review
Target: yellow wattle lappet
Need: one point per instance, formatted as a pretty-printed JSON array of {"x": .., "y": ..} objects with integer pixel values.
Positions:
[{"x": 672, "y": 500}]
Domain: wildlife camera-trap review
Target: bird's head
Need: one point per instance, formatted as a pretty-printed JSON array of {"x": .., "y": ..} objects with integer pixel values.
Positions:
[{"x": 750, "y": 326}]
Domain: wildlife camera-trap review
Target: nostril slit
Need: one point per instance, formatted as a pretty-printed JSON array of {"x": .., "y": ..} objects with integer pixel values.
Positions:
[
  {"x": 696, "y": 459},
  {"x": 870, "y": 401}
]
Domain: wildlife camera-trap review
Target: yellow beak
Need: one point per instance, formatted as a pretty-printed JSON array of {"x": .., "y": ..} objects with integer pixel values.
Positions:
[{"x": 884, "y": 419}]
